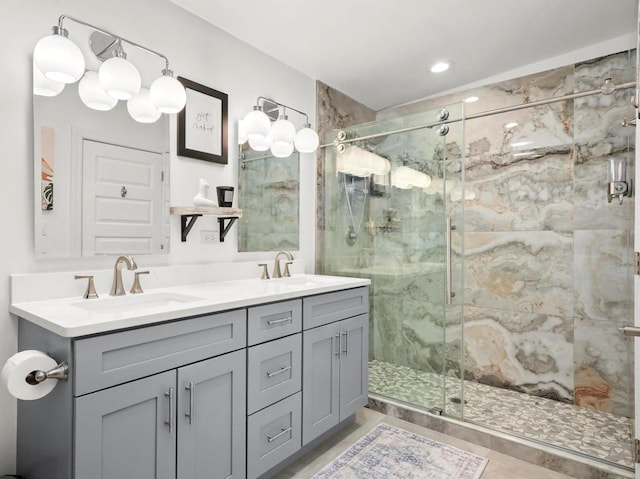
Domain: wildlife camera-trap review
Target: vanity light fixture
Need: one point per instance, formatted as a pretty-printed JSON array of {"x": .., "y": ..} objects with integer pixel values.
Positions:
[
  {"x": 280, "y": 136},
  {"x": 119, "y": 77},
  {"x": 471, "y": 99},
  {"x": 61, "y": 60}
]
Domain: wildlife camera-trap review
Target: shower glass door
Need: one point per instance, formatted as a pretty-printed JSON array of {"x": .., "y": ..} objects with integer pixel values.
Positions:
[{"x": 392, "y": 201}]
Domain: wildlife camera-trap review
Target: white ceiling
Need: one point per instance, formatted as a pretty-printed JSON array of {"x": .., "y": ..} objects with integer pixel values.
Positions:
[{"x": 379, "y": 52}]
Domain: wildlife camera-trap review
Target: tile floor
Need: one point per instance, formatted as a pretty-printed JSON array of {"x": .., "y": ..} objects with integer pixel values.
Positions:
[
  {"x": 500, "y": 465},
  {"x": 599, "y": 434}
]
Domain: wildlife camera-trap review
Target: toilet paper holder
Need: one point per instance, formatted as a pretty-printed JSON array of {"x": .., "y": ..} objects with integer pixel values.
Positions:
[{"x": 61, "y": 371}]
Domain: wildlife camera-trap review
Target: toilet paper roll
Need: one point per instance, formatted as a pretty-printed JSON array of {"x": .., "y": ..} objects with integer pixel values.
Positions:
[{"x": 19, "y": 366}]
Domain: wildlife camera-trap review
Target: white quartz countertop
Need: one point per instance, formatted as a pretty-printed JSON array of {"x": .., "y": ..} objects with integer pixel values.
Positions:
[{"x": 73, "y": 317}]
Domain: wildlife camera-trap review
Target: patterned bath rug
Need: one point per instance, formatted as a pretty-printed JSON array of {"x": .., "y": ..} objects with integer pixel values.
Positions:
[{"x": 387, "y": 452}]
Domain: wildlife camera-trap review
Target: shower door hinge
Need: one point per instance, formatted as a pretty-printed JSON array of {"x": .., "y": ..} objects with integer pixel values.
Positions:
[
  {"x": 636, "y": 451},
  {"x": 636, "y": 263}
]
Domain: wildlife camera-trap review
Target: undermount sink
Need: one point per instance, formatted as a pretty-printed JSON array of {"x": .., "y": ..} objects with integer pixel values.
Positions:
[
  {"x": 306, "y": 280},
  {"x": 130, "y": 303}
]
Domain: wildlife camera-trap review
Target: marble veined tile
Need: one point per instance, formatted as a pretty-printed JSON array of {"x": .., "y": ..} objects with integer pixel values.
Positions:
[
  {"x": 522, "y": 194},
  {"x": 603, "y": 275},
  {"x": 599, "y": 136},
  {"x": 603, "y": 367},
  {"x": 530, "y": 353},
  {"x": 529, "y": 272}
]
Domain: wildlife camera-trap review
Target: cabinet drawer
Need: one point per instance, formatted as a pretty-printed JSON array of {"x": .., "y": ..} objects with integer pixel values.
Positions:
[
  {"x": 111, "y": 359},
  {"x": 274, "y": 371},
  {"x": 327, "y": 308},
  {"x": 273, "y": 435},
  {"x": 273, "y": 321}
]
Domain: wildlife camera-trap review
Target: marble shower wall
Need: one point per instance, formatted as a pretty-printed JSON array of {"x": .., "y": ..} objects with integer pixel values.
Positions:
[{"x": 547, "y": 260}]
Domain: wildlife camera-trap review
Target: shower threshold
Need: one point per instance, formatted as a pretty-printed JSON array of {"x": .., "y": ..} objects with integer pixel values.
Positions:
[{"x": 592, "y": 436}]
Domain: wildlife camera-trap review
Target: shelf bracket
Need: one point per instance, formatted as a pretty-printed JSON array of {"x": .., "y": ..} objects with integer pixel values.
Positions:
[
  {"x": 225, "y": 229},
  {"x": 186, "y": 223}
]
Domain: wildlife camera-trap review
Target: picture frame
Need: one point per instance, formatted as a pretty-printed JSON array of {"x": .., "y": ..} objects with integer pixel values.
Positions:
[{"x": 202, "y": 123}]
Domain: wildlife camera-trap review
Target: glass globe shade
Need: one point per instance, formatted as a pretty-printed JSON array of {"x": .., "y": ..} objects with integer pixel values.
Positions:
[
  {"x": 260, "y": 143},
  {"x": 42, "y": 86},
  {"x": 92, "y": 94},
  {"x": 141, "y": 108},
  {"x": 307, "y": 140},
  {"x": 257, "y": 124},
  {"x": 281, "y": 149},
  {"x": 168, "y": 94},
  {"x": 283, "y": 132},
  {"x": 119, "y": 78},
  {"x": 242, "y": 133},
  {"x": 59, "y": 59}
]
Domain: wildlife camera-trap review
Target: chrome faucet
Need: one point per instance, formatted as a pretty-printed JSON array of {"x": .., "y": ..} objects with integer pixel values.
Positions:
[
  {"x": 116, "y": 288},
  {"x": 276, "y": 265}
]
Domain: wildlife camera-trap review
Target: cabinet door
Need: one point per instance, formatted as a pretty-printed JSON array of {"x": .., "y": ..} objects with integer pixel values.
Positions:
[
  {"x": 354, "y": 364},
  {"x": 320, "y": 382},
  {"x": 212, "y": 418},
  {"x": 127, "y": 431}
]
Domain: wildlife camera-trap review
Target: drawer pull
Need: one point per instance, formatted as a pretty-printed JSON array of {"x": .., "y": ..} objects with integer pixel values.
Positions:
[
  {"x": 346, "y": 342},
  {"x": 271, "y": 374},
  {"x": 280, "y": 434},
  {"x": 273, "y": 322},
  {"x": 338, "y": 344},
  {"x": 171, "y": 408},
  {"x": 190, "y": 414}
]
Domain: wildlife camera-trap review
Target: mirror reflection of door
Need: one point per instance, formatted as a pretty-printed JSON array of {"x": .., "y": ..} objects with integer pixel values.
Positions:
[{"x": 121, "y": 200}]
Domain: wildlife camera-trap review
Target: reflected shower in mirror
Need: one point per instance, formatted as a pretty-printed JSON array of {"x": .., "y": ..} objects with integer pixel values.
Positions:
[
  {"x": 100, "y": 180},
  {"x": 269, "y": 196}
]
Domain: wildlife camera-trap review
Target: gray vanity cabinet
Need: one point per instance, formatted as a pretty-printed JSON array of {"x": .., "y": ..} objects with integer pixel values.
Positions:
[
  {"x": 211, "y": 416},
  {"x": 230, "y": 395},
  {"x": 131, "y": 430},
  {"x": 127, "y": 431},
  {"x": 335, "y": 360}
]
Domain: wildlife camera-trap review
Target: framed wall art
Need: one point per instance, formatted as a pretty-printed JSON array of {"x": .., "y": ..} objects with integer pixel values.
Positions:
[{"x": 202, "y": 123}]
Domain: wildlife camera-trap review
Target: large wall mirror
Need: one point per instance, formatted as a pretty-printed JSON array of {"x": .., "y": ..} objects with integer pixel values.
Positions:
[
  {"x": 269, "y": 195},
  {"x": 101, "y": 180}
]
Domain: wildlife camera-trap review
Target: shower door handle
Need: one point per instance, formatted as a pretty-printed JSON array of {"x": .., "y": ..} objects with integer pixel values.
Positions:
[
  {"x": 629, "y": 330},
  {"x": 447, "y": 259}
]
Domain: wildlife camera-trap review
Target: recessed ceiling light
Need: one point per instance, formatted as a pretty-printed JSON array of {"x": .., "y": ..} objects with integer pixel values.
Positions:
[
  {"x": 471, "y": 99},
  {"x": 513, "y": 124},
  {"x": 440, "y": 67}
]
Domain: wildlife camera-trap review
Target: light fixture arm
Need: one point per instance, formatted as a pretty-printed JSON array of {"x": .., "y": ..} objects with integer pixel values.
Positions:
[
  {"x": 262, "y": 98},
  {"x": 118, "y": 39}
]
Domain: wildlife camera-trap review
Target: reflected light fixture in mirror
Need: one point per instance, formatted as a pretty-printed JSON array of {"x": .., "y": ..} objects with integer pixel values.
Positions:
[
  {"x": 60, "y": 60},
  {"x": 43, "y": 86},
  {"x": 93, "y": 95},
  {"x": 280, "y": 136}
]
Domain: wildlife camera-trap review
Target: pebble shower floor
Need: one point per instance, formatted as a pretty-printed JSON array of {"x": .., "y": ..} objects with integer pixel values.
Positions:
[{"x": 597, "y": 434}]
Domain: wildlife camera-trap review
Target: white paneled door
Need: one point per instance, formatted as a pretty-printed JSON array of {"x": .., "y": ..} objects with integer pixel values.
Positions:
[{"x": 121, "y": 200}]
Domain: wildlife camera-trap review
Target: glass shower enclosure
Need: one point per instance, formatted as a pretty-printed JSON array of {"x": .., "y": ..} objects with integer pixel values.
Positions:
[{"x": 392, "y": 202}]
